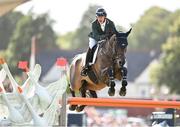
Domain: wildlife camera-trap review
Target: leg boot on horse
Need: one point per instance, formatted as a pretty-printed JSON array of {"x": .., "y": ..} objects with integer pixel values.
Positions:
[
  {"x": 111, "y": 90},
  {"x": 124, "y": 82},
  {"x": 111, "y": 83}
]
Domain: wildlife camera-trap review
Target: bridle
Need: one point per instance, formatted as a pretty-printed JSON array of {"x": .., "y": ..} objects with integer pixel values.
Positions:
[{"x": 118, "y": 59}]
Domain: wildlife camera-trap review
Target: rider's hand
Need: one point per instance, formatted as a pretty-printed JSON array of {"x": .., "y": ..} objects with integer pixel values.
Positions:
[{"x": 102, "y": 37}]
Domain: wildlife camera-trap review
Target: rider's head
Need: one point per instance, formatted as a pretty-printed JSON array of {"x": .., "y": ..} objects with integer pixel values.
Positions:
[{"x": 101, "y": 15}]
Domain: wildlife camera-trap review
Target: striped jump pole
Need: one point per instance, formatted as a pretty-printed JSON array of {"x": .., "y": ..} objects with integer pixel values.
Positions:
[{"x": 107, "y": 102}]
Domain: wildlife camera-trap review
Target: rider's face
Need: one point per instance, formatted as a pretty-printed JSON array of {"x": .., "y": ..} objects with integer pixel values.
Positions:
[{"x": 101, "y": 19}]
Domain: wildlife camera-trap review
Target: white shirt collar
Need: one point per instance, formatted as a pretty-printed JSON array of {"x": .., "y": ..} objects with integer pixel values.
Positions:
[{"x": 103, "y": 25}]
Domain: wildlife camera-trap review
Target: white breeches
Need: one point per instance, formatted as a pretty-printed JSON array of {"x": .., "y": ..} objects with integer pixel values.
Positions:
[{"x": 92, "y": 42}]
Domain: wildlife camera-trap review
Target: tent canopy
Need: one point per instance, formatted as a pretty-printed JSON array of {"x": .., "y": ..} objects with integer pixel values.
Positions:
[{"x": 8, "y": 5}]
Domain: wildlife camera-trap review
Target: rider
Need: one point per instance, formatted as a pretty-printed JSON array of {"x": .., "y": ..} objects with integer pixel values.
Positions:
[{"x": 102, "y": 28}]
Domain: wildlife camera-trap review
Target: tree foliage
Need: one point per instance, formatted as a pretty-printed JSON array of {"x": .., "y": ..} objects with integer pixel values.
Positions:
[
  {"x": 20, "y": 42},
  {"x": 79, "y": 37},
  {"x": 168, "y": 71},
  {"x": 7, "y": 25},
  {"x": 151, "y": 30}
]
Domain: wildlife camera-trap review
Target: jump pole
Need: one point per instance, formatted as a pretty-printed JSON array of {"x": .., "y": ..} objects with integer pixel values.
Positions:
[{"x": 107, "y": 102}]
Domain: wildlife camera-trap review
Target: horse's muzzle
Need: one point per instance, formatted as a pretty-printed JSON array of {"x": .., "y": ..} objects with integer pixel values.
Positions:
[{"x": 120, "y": 62}]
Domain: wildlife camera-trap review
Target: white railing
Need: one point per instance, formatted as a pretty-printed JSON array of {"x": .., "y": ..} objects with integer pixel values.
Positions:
[{"x": 31, "y": 103}]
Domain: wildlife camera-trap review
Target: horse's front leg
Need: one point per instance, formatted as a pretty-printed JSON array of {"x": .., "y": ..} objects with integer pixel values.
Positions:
[
  {"x": 111, "y": 82},
  {"x": 122, "y": 91},
  {"x": 82, "y": 91}
]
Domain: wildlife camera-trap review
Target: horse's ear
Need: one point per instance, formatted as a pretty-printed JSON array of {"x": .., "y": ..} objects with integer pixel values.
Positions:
[{"x": 127, "y": 33}]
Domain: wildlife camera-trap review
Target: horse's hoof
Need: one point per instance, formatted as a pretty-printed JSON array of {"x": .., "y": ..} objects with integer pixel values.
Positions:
[
  {"x": 79, "y": 108},
  {"x": 111, "y": 91},
  {"x": 124, "y": 82},
  {"x": 72, "y": 107},
  {"x": 122, "y": 91}
]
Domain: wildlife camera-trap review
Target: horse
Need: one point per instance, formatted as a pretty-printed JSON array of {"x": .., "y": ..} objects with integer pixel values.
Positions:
[{"x": 108, "y": 66}]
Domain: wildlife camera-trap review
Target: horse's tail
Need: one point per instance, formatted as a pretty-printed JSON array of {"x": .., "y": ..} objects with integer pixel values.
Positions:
[
  {"x": 68, "y": 73},
  {"x": 73, "y": 68},
  {"x": 69, "y": 68}
]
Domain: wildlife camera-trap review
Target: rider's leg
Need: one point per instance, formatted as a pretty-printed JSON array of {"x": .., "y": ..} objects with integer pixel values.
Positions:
[{"x": 89, "y": 56}]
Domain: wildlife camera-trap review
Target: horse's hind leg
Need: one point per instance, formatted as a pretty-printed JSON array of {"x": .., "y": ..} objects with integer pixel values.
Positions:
[
  {"x": 83, "y": 94},
  {"x": 72, "y": 107},
  {"x": 93, "y": 93},
  {"x": 124, "y": 81}
]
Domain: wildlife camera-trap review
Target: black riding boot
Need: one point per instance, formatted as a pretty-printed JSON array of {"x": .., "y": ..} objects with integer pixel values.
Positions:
[{"x": 89, "y": 58}]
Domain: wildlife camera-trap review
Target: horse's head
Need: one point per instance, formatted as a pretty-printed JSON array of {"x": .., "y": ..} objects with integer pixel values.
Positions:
[{"x": 118, "y": 43}]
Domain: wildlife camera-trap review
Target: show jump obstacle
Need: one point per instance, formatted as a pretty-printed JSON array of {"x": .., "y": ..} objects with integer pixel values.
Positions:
[
  {"x": 105, "y": 102},
  {"x": 28, "y": 101}
]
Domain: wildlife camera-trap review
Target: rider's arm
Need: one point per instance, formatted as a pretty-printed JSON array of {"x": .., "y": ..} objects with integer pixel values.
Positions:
[{"x": 112, "y": 29}]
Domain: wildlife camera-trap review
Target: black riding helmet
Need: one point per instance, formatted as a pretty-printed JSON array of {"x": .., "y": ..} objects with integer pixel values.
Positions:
[{"x": 101, "y": 12}]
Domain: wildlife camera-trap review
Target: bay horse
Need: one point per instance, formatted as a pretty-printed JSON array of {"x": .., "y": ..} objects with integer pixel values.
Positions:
[{"x": 109, "y": 65}]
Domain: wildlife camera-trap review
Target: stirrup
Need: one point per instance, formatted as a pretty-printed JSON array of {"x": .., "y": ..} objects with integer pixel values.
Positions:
[{"x": 84, "y": 71}]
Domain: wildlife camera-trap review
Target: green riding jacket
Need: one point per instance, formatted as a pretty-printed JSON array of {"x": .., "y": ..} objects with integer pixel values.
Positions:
[{"x": 98, "y": 34}]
